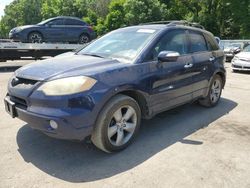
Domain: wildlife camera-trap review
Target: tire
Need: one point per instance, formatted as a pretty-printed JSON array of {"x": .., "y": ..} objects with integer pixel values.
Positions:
[
  {"x": 35, "y": 37},
  {"x": 117, "y": 124},
  {"x": 214, "y": 94},
  {"x": 84, "y": 38}
]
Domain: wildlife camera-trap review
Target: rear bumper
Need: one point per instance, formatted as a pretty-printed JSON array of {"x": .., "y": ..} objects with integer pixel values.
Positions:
[
  {"x": 41, "y": 122},
  {"x": 92, "y": 35}
]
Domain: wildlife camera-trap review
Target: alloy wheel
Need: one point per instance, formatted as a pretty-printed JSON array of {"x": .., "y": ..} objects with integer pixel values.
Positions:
[
  {"x": 215, "y": 91},
  {"x": 84, "y": 39},
  {"x": 122, "y": 125},
  {"x": 35, "y": 38}
]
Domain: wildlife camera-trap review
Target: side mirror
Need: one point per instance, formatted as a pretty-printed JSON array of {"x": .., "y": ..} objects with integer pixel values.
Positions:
[
  {"x": 168, "y": 56},
  {"x": 48, "y": 25}
]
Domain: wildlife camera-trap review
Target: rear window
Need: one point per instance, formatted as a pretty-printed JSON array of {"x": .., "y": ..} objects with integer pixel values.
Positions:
[{"x": 197, "y": 42}]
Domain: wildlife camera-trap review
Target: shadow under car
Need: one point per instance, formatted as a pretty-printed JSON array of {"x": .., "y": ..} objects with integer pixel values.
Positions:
[{"x": 82, "y": 162}]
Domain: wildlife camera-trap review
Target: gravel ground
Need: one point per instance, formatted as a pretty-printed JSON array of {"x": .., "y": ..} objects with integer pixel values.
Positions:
[{"x": 190, "y": 146}]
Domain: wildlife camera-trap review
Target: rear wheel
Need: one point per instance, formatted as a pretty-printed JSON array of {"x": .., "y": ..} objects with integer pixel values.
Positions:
[
  {"x": 84, "y": 39},
  {"x": 35, "y": 37},
  {"x": 117, "y": 124},
  {"x": 214, "y": 93}
]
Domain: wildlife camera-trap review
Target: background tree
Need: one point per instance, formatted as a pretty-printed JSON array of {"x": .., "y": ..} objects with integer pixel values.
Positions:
[{"x": 225, "y": 18}]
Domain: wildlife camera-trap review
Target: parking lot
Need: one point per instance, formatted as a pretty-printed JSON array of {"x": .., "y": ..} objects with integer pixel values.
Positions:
[{"x": 190, "y": 146}]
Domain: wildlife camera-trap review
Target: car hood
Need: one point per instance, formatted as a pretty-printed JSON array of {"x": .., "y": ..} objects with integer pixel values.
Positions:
[
  {"x": 243, "y": 55},
  {"x": 231, "y": 49},
  {"x": 28, "y": 26},
  {"x": 73, "y": 65},
  {"x": 24, "y": 27}
]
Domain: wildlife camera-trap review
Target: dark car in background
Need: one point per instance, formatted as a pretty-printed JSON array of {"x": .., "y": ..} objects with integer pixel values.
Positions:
[
  {"x": 106, "y": 88},
  {"x": 231, "y": 50},
  {"x": 58, "y": 29}
]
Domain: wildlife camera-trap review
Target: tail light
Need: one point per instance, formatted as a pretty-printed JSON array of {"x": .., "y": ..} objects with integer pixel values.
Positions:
[{"x": 90, "y": 28}]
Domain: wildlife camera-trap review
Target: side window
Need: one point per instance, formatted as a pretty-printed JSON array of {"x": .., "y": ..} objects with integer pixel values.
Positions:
[
  {"x": 56, "y": 22},
  {"x": 197, "y": 42},
  {"x": 175, "y": 40},
  {"x": 73, "y": 22},
  {"x": 211, "y": 43}
]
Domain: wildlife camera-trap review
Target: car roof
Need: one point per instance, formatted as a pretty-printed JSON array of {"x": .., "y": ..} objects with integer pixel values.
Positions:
[
  {"x": 68, "y": 17},
  {"x": 163, "y": 26}
]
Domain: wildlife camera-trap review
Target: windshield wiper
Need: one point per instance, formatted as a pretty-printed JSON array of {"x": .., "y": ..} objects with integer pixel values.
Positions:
[{"x": 90, "y": 54}]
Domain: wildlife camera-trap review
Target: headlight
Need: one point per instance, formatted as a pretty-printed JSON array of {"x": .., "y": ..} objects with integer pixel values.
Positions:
[
  {"x": 235, "y": 58},
  {"x": 67, "y": 86},
  {"x": 17, "y": 29}
]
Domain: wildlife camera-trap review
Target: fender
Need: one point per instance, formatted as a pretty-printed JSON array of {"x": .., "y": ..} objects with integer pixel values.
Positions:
[{"x": 220, "y": 71}]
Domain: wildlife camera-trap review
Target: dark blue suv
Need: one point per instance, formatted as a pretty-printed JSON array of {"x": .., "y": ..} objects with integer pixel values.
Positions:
[
  {"x": 58, "y": 29},
  {"x": 106, "y": 88}
]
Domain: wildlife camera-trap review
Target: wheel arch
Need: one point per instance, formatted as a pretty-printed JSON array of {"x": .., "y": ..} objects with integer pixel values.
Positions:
[
  {"x": 84, "y": 33},
  {"x": 223, "y": 77},
  {"x": 138, "y": 96},
  {"x": 140, "y": 99},
  {"x": 34, "y": 31}
]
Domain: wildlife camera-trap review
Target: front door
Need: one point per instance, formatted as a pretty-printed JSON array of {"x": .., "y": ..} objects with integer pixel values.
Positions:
[{"x": 171, "y": 83}]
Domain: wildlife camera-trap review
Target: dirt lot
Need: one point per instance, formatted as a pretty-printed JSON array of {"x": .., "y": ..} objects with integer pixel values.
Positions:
[{"x": 190, "y": 146}]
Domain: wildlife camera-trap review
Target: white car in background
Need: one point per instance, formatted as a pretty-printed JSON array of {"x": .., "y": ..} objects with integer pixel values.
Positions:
[{"x": 241, "y": 61}]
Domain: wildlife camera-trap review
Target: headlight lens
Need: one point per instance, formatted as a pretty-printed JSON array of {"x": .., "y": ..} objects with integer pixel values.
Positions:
[
  {"x": 67, "y": 86},
  {"x": 17, "y": 29},
  {"x": 235, "y": 58}
]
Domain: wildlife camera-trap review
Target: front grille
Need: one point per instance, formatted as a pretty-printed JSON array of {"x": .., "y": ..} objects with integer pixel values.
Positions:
[
  {"x": 236, "y": 66},
  {"x": 21, "y": 103},
  {"x": 22, "y": 82},
  {"x": 241, "y": 67}
]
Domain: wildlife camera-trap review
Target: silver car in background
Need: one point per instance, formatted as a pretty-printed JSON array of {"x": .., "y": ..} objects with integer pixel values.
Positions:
[{"x": 241, "y": 61}]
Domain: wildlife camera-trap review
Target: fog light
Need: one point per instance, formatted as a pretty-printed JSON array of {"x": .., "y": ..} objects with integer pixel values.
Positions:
[{"x": 53, "y": 124}]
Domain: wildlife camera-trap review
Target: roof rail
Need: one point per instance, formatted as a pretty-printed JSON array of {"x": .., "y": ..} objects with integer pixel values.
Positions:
[{"x": 176, "y": 22}]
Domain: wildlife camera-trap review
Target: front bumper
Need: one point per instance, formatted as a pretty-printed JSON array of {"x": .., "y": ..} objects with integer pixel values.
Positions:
[
  {"x": 229, "y": 56},
  {"x": 65, "y": 130},
  {"x": 240, "y": 65},
  {"x": 18, "y": 37},
  {"x": 14, "y": 36}
]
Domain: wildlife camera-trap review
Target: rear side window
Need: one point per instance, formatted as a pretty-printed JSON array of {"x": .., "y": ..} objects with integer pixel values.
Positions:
[
  {"x": 74, "y": 22},
  {"x": 211, "y": 43},
  {"x": 197, "y": 42}
]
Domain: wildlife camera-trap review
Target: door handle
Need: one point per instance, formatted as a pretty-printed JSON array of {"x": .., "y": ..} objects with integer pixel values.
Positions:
[
  {"x": 188, "y": 65},
  {"x": 211, "y": 59}
]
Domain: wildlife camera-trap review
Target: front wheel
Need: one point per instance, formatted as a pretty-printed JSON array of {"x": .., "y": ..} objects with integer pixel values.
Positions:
[
  {"x": 214, "y": 93},
  {"x": 35, "y": 37},
  {"x": 117, "y": 124}
]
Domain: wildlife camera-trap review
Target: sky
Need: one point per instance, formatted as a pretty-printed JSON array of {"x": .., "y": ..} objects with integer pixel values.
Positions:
[{"x": 3, "y": 3}]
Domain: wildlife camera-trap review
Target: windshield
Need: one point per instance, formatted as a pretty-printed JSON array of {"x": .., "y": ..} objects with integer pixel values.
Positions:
[
  {"x": 121, "y": 44},
  {"x": 247, "y": 49},
  {"x": 234, "y": 45},
  {"x": 44, "y": 21}
]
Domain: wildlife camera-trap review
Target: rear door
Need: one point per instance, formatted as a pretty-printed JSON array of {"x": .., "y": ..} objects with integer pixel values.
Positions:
[
  {"x": 203, "y": 60},
  {"x": 74, "y": 29},
  {"x": 171, "y": 82}
]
